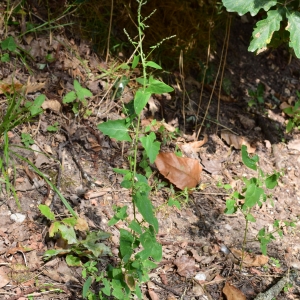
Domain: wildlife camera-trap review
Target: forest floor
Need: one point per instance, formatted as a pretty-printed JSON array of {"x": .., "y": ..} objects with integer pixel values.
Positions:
[{"x": 201, "y": 244}]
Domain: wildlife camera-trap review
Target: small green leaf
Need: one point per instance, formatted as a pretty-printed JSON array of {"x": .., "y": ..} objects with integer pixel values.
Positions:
[
  {"x": 249, "y": 162},
  {"x": 80, "y": 91},
  {"x": 35, "y": 107},
  {"x": 5, "y": 57},
  {"x": 151, "y": 146},
  {"x": 68, "y": 233},
  {"x": 107, "y": 288},
  {"x": 86, "y": 287},
  {"x": 153, "y": 65},
  {"x": 290, "y": 125},
  {"x": 136, "y": 59},
  {"x": 117, "y": 129},
  {"x": 26, "y": 139},
  {"x": 158, "y": 87},
  {"x": 69, "y": 97},
  {"x": 53, "y": 252},
  {"x": 9, "y": 44},
  {"x": 135, "y": 226},
  {"x": 272, "y": 181},
  {"x": 126, "y": 241},
  {"x": 70, "y": 221},
  {"x": 145, "y": 207},
  {"x": 140, "y": 100},
  {"x": 230, "y": 207},
  {"x": 73, "y": 261},
  {"x": 46, "y": 211},
  {"x": 53, "y": 128},
  {"x": 250, "y": 218},
  {"x": 253, "y": 196},
  {"x": 173, "y": 202}
]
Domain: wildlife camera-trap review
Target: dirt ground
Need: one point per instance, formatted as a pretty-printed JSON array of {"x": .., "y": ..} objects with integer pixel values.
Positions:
[{"x": 200, "y": 243}]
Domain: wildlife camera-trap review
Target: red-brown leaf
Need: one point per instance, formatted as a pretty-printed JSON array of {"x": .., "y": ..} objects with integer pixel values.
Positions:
[{"x": 183, "y": 172}]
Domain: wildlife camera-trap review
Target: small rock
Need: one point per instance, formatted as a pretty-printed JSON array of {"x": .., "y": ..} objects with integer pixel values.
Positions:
[{"x": 18, "y": 218}]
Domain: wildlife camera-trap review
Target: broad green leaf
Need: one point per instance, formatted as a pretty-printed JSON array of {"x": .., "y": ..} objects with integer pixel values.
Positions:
[
  {"x": 149, "y": 242},
  {"x": 140, "y": 100},
  {"x": 230, "y": 207},
  {"x": 158, "y": 87},
  {"x": 35, "y": 107},
  {"x": 98, "y": 249},
  {"x": 53, "y": 252},
  {"x": 106, "y": 289},
  {"x": 120, "y": 214},
  {"x": 153, "y": 65},
  {"x": 151, "y": 146},
  {"x": 68, "y": 233},
  {"x": 294, "y": 28},
  {"x": 253, "y": 195},
  {"x": 249, "y": 162},
  {"x": 290, "y": 125},
  {"x": 9, "y": 44},
  {"x": 244, "y": 6},
  {"x": 117, "y": 129},
  {"x": 97, "y": 235},
  {"x": 135, "y": 226},
  {"x": 69, "y": 97},
  {"x": 86, "y": 286},
  {"x": 126, "y": 242},
  {"x": 46, "y": 211},
  {"x": 70, "y": 221},
  {"x": 145, "y": 207},
  {"x": 136, "y": 59},
  {"x": 121, "y": 171},
  {"x": 174, "y": 202},
  {"x": 250, "y": 218},
  {"x": 73, "y": 261},
  {"x": 80, "y": 91},
  {"x": 264, "y": 30},
  {"x": 272, "y": 181}
]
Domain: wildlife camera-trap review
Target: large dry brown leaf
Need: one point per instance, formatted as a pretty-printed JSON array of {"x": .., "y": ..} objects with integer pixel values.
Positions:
[
  {"x": 183, "y": 172},
  {"x": 251, "y": 260},
  {"x": 236, "y": 141},
  {"x": 232, "y": 293}
]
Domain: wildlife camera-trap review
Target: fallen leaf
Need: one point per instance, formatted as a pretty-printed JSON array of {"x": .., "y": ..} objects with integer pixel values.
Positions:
[
  {"x": 251, "y": 260},
  {"x": 53, "y": 105},
  {"x": 183, "y": 172},
  {"x": 213, "y": 166},
  {"x": 33, "y": 87},
  {"x": 232, "y": 293},
  {"x": 191, "y": 149},
  {"x": 236, "y": 141},
  {"x": 81, "y": 225},
  {"x": 186, "y": 266}
]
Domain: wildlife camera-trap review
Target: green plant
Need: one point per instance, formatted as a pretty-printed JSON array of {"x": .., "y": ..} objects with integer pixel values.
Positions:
[
  {"x": 294, "y": 113},
  {"x": 75, "y": 248},
  {"x": 26, "y": 139},
  {"x": 54, "y": 127},
  {"x": 139, "y": 249},
  {"x": 275, "y": 262},
  {"x": 282, "y": 16},
  {"x": 257, "y": 96},
  {"x": 77, "y": 98},
  {"x": 254, "y": 193}
]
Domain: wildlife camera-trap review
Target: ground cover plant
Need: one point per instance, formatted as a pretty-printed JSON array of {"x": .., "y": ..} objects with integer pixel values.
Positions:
[{"x": 141, "y": 217}]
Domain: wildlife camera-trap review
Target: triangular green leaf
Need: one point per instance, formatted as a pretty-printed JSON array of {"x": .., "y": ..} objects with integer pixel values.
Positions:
[
  {"x": 140, "y": 100},
  {"x": 117, "y": 129},
  {"x": 153, "y": 65},
  {"x": 264, "y": 30},
  {"x": 294, "y": 29},
  {"x": 68, "y": 233},
  {"x": 151, "y": 146},
  {"x": 80, "y": 91},
  {"x": 45, "y": 210},
  {"x": 158, "y": 87},
  {"x": 145, "y": 207},
  {"x": 244, "y": 6}
]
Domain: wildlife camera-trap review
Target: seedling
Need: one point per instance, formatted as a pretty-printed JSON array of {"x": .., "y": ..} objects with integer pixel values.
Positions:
[
  {"x": 78, "y": 99},
  {"x": 254, "y": 193},
  {"x": 294, "y": 113},
  {"x": 257, "y": 96}
]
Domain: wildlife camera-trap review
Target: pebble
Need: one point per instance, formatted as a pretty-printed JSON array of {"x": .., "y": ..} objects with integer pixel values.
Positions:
[{"x": 18, "y": 218}]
